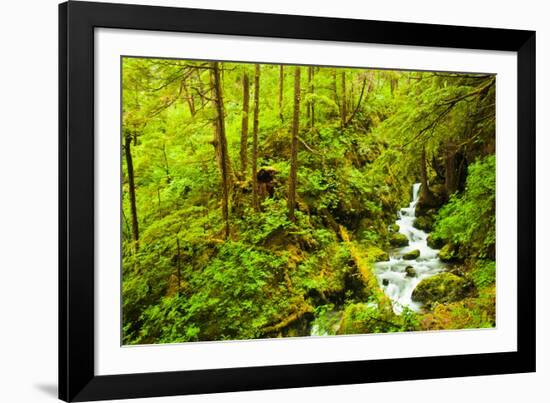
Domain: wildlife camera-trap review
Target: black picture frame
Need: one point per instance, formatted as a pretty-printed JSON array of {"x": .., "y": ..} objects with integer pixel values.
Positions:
[{"x": 77, "y": 379}]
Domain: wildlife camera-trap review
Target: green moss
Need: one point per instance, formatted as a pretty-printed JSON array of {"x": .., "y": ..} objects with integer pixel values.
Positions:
[
  {"x": 393, "y": 227},
  {"x": 469, "y": 313},
  {"x": 442, "y": 288},
  {"x": 447, "y": 253},
  {"x": 434, "y": 242},
  {"x": 370, "y": 318},
  {"x": 376, "y": 254},
  {"x": 399, "y": 239},
  {"x": 412, "y": 255},
  {"x": 424, "y": 223}
]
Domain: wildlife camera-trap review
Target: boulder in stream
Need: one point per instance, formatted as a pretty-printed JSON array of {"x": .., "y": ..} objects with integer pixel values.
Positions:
[
  {"x": 412, "y": 255},
  {"x": 442, "y": 288},
  {"x": 411, "y": 272},
  {"x": 399, "y": 239},
  {"x": 424, "y": 223}
]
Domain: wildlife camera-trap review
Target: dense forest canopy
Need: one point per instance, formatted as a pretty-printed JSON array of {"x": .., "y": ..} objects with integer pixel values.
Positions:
[{"x": 258, "y": 198}]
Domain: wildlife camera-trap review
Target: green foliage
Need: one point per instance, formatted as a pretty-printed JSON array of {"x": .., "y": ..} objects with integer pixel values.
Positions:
[
  {"x": 185, "y": 279},
  {"x": 236, "y": 295},
  {"x": 469, "y": 219},
  {"x": 370, "y": 318},
  {"x": 484, "y": 273}
]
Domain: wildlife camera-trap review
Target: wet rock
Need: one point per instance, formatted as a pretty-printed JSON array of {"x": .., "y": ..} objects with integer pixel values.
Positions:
[
  {"x": 424, "y": 223},
  {"x": 385, "y": 281},
  {"x": 411, "y": 272},
  {"x": 447, "y": 253},
  {"x": 399, "y": 239},
  {"x": 434, "y": 242},
  {"x": 393, "y": 227},
  {"x": 442, "y": 288},
  {"x": 413, "y": 254}
]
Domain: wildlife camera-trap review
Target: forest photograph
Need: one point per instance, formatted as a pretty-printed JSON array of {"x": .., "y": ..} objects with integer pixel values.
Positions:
[{"x": 267, "y": 200}]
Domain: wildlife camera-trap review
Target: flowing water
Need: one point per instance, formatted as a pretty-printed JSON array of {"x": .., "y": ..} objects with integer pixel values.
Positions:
[{"x": 392, "y": 275}]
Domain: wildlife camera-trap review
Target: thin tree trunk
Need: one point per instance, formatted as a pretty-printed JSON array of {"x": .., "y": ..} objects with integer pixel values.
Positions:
[
  {"x": 344, "y": 108},
  {"x": 200, "y": 87},
  {"x": 349, "y": 120},
  {"x": 159, "y": 200},
  {"x": 450, "y": 168},
  {"x": 294, "y": 147},
  {"x": 166, "y": 167},
  {"x": 281, "y": 91},
  {"x": 132, "y": 190},
  {"x": 244, "y": 125},
  {"x": 255, "y": 202},
  {"x": 311, "y": 89},
  {"x": 189, "y": 98},
  {"x": 427, "y": 195},
  {"x": 178, "y": 265},
  {"x": 221, "y": 146},
  {"x": 335, "y": 88}
]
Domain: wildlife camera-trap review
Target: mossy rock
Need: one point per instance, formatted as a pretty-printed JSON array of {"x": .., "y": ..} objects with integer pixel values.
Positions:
[
  {"x": 424, "y": 223},
  {"x": 410, "y": 271},
  {"x": 376, "y": 254},
  {"x": 393, "y": 227},
  {"x": 435, "y": 242},
  {"x": 430, "y": 207},
  {"x": 412, "y": 255},
  {"x": 447, "y": 253},
  {"x": 399, "y": 239},
  {"x": 442, "y": 288}
]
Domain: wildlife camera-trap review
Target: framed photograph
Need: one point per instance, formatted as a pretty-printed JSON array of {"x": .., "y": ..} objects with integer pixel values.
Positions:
[{"x": 257, "y": 201}]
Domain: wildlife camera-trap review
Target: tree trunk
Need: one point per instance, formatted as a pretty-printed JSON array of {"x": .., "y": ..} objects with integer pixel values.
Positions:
[
  {"x": 189, "y": 98},
  {"x": 311, "y": 89},
  {"x": 132, "y": 190},
  {"x": 451, "y": 182},
  {"x": 281, "y": 91},
  {"x": 178, "y": 265},
  {"x": 255, "y": 202},
  {"x": 220, "y": 145},
  {"x": 335, "y": 89},
  {"x": 166, "y": 167},
  {"x": 294, "y": 147},
  {"x": 244, "y": 125},
  {"x": 427, "y": 195},
  {"x": 344, "y": 108}
]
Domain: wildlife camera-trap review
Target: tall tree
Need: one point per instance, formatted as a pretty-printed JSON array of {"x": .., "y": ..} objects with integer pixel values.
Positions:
[
  {"x": 255, "y": 202},
  {"x": 220, "y": 145},
  {"x": 294, "y": 147},
  {"x": 244, "y": 126},
  {"x": 311, "y": 90},
  {"x": 131, "y": 187},
  {"x": 188, "y": 97},
  {"x": 344, "y": 106},
  {"x": 281, "y": 91}
]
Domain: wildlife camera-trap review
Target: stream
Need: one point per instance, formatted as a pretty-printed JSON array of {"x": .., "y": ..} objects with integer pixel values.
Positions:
[
  {"x": 396, "y": 280},
  {"x": 398, "y": 277},
  {"x": 392, "y": 275}
]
